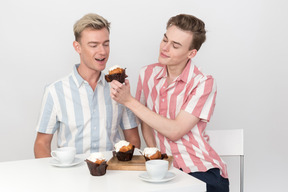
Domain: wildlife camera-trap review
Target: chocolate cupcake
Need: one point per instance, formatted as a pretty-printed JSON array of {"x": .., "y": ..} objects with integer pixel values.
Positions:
[
  {"x": 124, "y": 150},
  {"x": 151, "y": 153},
  {"x": 116, "y": 73},
  {"x": 97, "y": 164}
]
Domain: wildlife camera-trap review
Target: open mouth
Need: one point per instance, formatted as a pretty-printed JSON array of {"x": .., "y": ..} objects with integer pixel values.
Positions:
[{"x": 99, "y": 59}]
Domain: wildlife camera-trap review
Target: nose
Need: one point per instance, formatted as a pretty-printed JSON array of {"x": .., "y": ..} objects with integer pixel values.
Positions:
[
  {"x": 102, "y": 50},
  {"x": 165, "y": 46}
]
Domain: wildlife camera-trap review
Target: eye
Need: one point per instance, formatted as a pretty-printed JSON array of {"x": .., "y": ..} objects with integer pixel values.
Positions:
[
  {"x": 165, "y": 39},
  {"x": 106, "y": 44},
  {"x": 93, "y": 45},
  {"x": 176, "y": 46}
]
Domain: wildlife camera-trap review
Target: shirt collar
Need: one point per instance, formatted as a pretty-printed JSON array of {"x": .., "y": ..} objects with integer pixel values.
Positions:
[
  {"x": 182, "y": 77},
  {"x": 186, "y": 72},
  {"x": 80, "y": 81},
  {"x": 162, "y": 73}
]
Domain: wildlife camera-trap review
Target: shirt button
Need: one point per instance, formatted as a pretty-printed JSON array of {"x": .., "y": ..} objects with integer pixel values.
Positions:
[
  {"x": 163, "y": 100},
  {"x": 94, "y": 128},
  {"x": 176, "y": 156}
]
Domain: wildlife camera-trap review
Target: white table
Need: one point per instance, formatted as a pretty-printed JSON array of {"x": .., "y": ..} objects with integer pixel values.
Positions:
[{"x": 39, "y": 176}]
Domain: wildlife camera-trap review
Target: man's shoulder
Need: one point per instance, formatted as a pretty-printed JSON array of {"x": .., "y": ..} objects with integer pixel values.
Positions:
[
  {"x": 197, "y": 72},
  {"x": 152, "y": 67},
  {"x": 60, "y": 81},
  {"x": 155, "y": 65}
]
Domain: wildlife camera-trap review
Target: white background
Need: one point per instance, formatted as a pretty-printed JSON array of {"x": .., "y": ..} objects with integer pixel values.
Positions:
[{"x": 245, "y": 51}]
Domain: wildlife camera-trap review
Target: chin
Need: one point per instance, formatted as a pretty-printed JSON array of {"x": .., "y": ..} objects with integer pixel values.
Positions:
[
  {"x": 162, "y": 61},
  {"x": 101, "y": 67}
]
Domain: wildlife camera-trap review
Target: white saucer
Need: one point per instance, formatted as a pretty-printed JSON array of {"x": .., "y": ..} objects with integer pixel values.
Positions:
[
  {"x": 56, "y": 163},
  {"x": 169, "y": 176}
]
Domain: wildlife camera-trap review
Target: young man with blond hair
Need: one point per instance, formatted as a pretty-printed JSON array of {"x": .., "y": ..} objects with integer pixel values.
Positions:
[
  {"x": 79, "y": 107},
  {"x": 175, "y": 100}
]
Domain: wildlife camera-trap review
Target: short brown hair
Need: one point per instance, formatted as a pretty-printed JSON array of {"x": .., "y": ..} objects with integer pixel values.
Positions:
[
  {"x": 90, "y": 20},
  {"x": 192, "y": 24}
]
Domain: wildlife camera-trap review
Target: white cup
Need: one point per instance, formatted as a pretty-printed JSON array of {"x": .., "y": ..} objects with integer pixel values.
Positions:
[
  {"x": 65, "y": 155},
  {"x": 156, "y": 169}
]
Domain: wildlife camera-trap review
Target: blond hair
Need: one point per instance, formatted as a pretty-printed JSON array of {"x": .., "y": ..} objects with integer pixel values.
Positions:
[{"x": 92, "y": 21}]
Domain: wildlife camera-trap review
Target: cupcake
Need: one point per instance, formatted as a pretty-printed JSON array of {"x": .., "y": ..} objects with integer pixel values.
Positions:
[
  {"x": 116, "y": 73},
  {"x": 97, "y": 164},
  {"x": 124, "y": 150},
  {"x": 151, "y": 153}
]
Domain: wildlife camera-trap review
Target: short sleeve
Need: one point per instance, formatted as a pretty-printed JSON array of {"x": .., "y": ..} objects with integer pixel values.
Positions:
[
  {"x": 201, "y": 100},
  {"x": 129, "y": 120},
  {"x": 47, "y": 122},
  {"x": 139, "y": 91}
]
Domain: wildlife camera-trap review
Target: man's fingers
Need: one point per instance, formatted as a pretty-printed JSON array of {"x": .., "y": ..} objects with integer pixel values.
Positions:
[
  {"x": 116, "y": 85},
  {"x": 127, "y": 82}
]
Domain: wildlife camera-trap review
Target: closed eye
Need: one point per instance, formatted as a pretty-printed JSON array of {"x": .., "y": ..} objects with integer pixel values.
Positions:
[{"x": 176, "y": 46}]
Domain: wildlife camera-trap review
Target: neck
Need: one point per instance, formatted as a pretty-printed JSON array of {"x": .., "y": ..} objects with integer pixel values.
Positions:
[
  {"x": 173, "y": 71},
  {"x": 91, "y": 76}
]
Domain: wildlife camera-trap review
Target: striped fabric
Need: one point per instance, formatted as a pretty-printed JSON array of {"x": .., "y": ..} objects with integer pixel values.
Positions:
[
  {"x": 193, "y": 92},
  {"x": 87, "y": 120}
]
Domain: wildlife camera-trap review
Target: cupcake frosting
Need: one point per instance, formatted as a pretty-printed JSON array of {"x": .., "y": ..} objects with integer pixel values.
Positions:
[
  {"x": 96, "y": 156},
  {"x": 148, "y": 151},
  {"x": 114, "y": 67},
  {"x": 120, "y": 144}
]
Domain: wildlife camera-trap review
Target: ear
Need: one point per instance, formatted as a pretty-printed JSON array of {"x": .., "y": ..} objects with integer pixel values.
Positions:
[
  {"x": 192, "y": 53},
  {"x": 77, "y": 46}
]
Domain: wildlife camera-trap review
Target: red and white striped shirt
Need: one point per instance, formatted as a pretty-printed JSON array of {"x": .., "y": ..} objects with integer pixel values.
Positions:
[{"x": 193, "y": 92}]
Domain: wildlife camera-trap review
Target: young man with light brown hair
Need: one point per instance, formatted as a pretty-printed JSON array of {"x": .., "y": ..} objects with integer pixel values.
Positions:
[{"x": 175, "y": 100}]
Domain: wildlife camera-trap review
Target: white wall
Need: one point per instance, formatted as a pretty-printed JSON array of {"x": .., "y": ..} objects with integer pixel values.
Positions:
[{"x": 245, "y": 52}]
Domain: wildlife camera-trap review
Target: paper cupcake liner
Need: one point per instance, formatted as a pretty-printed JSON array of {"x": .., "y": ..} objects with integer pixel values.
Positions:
[
  {"x": 124, "y": 156},
  {"x": 97, "y": 169}
]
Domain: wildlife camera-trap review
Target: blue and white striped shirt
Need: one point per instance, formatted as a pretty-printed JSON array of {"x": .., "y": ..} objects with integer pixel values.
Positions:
[{"x": 87, "y": 120}]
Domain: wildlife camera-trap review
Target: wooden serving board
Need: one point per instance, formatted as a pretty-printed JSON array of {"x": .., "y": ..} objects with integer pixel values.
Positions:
[{"x": 137, "y": 163}]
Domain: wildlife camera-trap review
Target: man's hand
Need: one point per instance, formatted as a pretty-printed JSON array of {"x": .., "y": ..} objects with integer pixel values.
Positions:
[{"x": 120, "y": 92}]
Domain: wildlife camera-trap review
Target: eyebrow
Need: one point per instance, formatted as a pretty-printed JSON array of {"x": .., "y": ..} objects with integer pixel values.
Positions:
[
  {"x": 96, "y": 42},
  {"x": 174, "y": 42}
]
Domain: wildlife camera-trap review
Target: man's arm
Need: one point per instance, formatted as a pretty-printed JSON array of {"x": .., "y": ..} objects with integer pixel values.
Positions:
[
  {"x": 148, "y": 135},
  {"x": 42, "y": 145},
  {"x": 132, "y": 136},
  {"x": 172, "y": 129}
]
